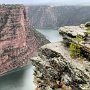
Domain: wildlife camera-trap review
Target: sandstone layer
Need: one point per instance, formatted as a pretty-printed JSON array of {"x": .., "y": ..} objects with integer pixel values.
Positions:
[{"x": 18, "y": 40}]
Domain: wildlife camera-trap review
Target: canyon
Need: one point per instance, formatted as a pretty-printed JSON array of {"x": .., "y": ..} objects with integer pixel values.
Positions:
[
  {"x": 18, "y": 39},
  {"x": 53, "y": 17},
  {"x": 62, "y": 65}
]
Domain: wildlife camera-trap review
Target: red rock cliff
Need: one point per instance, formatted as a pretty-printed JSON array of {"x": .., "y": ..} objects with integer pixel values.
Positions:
[{"x": 18, "y": 41}]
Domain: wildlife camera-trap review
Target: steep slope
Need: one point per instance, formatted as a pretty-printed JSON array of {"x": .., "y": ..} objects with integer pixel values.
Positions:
[
  {"x": 53, "y": 17},
  {"x": 18, "y": 40},
  {"x": 56, "y": 70},
  {"x": 65, "y": 65}
]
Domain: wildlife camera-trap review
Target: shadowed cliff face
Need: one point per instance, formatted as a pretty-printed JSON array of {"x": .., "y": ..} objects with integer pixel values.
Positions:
[
  {"x": 54, "y": 17},
  {"x": 18, "y": 40}
]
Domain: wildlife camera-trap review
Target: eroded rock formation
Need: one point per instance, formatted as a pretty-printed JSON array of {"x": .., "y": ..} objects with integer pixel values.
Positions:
[
  {"x": 55, "y": 69},
  {"x": 70, "y": 34},
  {"x": 18, "y": 40}
]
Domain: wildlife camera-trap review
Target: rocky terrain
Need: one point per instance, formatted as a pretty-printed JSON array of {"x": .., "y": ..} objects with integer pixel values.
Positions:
[
  {"x": 56, "y": 16},
  {"x": 18, "y": 40},
  {"x": 65, "y": 65}
]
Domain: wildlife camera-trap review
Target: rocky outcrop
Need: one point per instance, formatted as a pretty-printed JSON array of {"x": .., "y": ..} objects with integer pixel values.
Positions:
[
  {"x": 73, "y": 31},
  {"x": 79, "y": 35},
  {"x": 56, "y": 69},
  {"x": 56, "y": 16},
  {"x": 18, "y": 40}
]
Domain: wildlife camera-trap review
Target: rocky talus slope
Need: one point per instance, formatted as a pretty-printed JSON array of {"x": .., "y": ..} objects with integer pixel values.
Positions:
[
  {"x": 56, "y": 69},
  {"x": 18, "y": 40}
]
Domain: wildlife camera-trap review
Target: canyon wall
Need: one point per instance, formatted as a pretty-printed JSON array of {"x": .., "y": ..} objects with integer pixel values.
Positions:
[
  {"x": 18, "y": 40},
  {"x": 55, "y": 16}
]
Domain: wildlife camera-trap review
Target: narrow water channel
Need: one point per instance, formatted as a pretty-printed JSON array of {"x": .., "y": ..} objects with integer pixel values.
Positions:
[{"x": 23, "y": 79}]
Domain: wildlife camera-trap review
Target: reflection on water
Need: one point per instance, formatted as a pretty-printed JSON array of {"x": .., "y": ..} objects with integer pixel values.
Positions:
[
  {"x": 20, "y": 80},
  {"x": 23, "y": 79},
  {"x": 51, "y": 34}
]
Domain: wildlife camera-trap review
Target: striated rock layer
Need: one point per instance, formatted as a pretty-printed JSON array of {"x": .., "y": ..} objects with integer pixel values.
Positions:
[
  {"x": 18, "y": 40},
  {"x": 79, "y": 35},
  {"x": 56, "y": 16}
]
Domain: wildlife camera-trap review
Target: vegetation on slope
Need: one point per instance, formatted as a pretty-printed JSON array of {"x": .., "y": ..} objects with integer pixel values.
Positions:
[{"x": 75, "y": 48}]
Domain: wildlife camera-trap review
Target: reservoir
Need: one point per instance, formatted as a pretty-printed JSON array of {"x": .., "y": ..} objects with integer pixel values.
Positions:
[{"x": 23, "y": 79}]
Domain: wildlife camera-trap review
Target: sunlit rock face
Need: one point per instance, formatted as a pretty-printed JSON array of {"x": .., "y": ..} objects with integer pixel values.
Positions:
[
  {"x": 71, "y": 34},
  {"x": 18, "y": 40},
  {"x": 56, "y": 68}
]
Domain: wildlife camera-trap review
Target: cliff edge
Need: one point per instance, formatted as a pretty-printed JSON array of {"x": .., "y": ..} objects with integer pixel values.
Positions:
[
  {"x": 18, "y": 40},
  {"x": 62, "y": 65}
]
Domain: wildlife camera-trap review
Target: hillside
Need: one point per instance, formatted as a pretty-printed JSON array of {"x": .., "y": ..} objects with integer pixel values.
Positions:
[
  {"x": 53, "y": 17},
  {"x": 18, "y": 40}
]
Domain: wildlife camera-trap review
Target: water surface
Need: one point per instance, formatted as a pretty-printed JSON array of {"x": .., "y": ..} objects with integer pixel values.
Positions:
[
  {"x": 23, "y": 79},
  {"x": 51, "y": 34},
  {"x": 19, "y": 80}
]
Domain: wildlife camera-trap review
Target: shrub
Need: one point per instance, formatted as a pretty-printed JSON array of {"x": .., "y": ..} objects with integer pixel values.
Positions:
[
  {"x": 75, "y": 49},
  {"x": 79, "y": 38}
]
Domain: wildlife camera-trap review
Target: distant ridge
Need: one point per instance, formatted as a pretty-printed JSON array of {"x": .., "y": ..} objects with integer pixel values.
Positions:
[{"x": 56, "y": 16}]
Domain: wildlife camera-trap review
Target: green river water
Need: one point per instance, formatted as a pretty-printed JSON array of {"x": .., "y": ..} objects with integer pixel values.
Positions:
[{"x": 23, "y": 79}]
